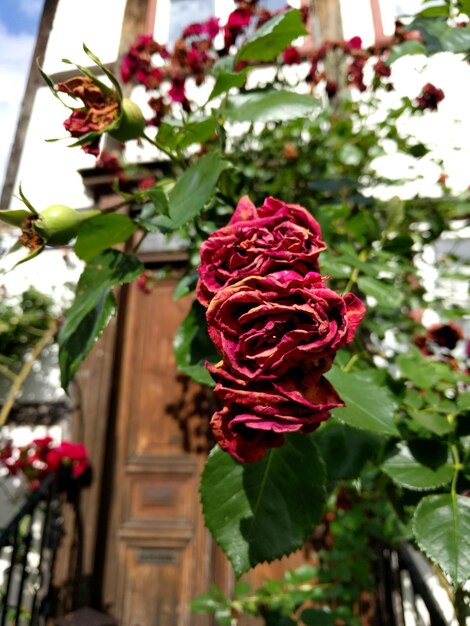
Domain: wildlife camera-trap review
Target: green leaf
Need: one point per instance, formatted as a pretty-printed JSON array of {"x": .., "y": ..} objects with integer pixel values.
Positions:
[
  {"x": 395, "y": 208},
  {"x": 186, "y": 285},
  {"x": 205, "y": 603},
  {"x": 432, "y": 421},
  {"x": 102, "y": 232},
  {"x": 93, "y": 307},
  {"x": 14, "y": 217},
  {"x": 177, "y": 136},
  {"x": 194, "y": 188},
  {"x": 262, "y": 511},
  {"x": 227, "y": 80},
  {"x": 438, "y": 11},
  {"x": 269, "y": 106},
  {"x": 192, "y": 346},
  {"x": 440, "y": 37},
  {"x": 273, "y": 37},
  {"x": 345, "y": 450},
  {"x": 405, "y": 470},
  {"x": 154, "y": 211},
  {"x": 441, "y": 526},
  {"x": 416, "y": 368},
  {"x": 387, "y": 296},
  {"x": 463, "y": 401},
  {"x": 402, "y": 49},
  {"x": 349, "y": 154},
  {"x": 368, "y": 405},
  {"x": 318, "y": 617},
  {"x": 114, "y": 81}
]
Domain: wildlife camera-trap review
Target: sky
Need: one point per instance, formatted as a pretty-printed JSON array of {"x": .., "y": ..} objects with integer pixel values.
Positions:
[{"x": 19, "y": 20}]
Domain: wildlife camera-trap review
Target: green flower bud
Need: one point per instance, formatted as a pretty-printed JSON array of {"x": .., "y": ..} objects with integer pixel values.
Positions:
[
  {"x": 131, "y": 123},
  {"x": 58, "y": 224}
]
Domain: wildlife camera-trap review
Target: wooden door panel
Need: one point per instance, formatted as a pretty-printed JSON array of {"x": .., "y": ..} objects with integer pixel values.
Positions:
[{"x": 160, "y": 552}]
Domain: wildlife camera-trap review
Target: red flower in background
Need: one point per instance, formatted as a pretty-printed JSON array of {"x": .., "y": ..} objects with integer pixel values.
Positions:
[
  {"x": 430, "y": 97},
  {"x": 137, "y": 63},
  {"x": 291, "y": 56},
  {"x": 41, "y": 457},
  {"x": 237, "y": 21}
]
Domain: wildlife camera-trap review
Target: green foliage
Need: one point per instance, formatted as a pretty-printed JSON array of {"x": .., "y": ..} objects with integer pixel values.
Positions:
[
  {"x": 451, "y": 549},
  {"x": 408, "y": 471},
  {"x": 192, "y": 346},
  {"x": 93, "y": 307},
  {"x": 254, "y": 512},
  {"x": 368, "y": 405},
  {"x": 193, "y": 189},
  {"x": 21, "y": 324},
  {"x": 274, "y": 105},
  {"x": 272, "y": 38},
  {"x": 102, "y": 232}
]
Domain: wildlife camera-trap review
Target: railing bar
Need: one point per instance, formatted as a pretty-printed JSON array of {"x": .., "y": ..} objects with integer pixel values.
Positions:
[
  {"x": 44, "y": 539},
  {"x": 24, "y": 565},
  {"x": 14, "y": 546},
  {"x": 26, "y": 509}
]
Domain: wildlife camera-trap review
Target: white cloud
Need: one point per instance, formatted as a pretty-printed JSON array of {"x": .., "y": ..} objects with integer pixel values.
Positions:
[{"x": 15, "y": 57}]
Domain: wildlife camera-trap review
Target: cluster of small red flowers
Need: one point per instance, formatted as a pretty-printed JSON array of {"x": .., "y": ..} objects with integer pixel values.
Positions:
[
  {"x": 42, "y": 457},
  {"x": 194, "y": 54},
  {"x": 276, "y": 324}
]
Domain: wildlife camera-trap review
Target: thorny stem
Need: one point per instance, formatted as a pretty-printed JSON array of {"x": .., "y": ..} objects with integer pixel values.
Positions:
[{"x": 25, "y": 371}]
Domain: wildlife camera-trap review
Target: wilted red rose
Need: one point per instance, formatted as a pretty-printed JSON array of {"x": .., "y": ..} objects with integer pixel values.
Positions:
[
  {"x": 430, "y": 97},
  {"x": 256, "y": 414},
  {"x": 265, "y": 325},
  {"x": 273, "y": 237},
  {"x": 100, "y": 110}
]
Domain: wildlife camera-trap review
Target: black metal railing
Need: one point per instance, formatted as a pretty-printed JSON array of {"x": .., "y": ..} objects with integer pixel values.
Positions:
[{"x": 28, "y": 546}]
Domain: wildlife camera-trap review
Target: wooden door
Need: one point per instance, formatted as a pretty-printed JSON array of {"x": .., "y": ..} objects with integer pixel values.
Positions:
[{"x": 159, "y": 554}]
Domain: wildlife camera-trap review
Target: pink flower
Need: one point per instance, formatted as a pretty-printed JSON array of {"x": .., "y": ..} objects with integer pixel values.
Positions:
[
  {"x": 266, "y": 325},
  {"x": 256, "y": 414},
  {"x": 273, "y": 237}
]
